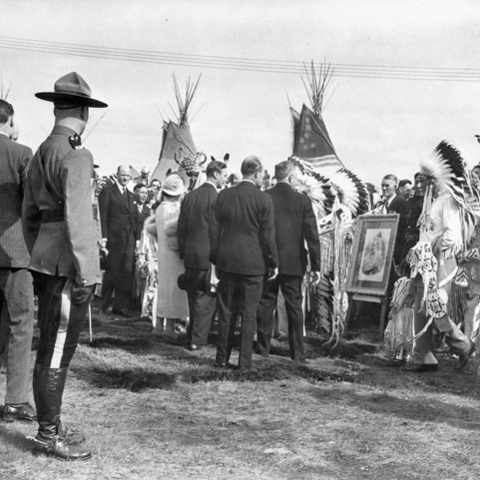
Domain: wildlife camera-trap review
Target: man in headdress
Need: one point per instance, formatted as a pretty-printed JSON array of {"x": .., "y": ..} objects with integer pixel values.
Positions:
[
  {"x": 434, "y": 259},
  {"x": 62, "y": 237}
]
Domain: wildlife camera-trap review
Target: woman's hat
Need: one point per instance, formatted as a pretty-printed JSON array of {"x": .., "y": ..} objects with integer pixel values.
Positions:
[
  {"x": 72, "y": 88},
  {"x": 174, "y": 185}
]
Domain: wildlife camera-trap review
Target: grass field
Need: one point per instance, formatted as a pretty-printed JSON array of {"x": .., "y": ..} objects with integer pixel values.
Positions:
[{"x": 152, "y": 409}]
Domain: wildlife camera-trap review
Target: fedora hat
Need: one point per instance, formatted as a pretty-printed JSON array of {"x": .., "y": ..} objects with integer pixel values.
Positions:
[
  {"x": 72, "y": 88},
  {"x": 174, "y": 185}
]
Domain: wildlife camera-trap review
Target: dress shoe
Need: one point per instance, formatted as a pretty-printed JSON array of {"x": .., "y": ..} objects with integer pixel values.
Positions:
[
  {"x": 465, "y": 357},
  {"x": 61, "y": 449},
  {"x": 22, "y": 411},
  {"x": 302, "y": 361},
  {"x": 218, "y": 364},
  {"x": 240, "y": 368},
  {"x": 121, "y": 312},
  {"x": 421, "y": 367}
]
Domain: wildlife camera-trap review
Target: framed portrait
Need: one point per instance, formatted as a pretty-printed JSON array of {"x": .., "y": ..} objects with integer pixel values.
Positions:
[{"x": 373, "y": 246}]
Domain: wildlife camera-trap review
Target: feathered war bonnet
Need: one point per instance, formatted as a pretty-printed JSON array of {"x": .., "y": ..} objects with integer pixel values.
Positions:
[
  {"x": 446, "y": 167},
  {"x": 315, "y": 186},
  {"x": 351, "y": 192}
]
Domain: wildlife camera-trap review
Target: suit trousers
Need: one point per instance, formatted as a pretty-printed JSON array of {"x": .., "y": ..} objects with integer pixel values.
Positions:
[
  {"x": 16, "y": 330},
  {"x": 120, "y": 271},
  {"x": 201, "y": 305},
  {"x": 61, "y": 316},
  {"x": 121, "y": 281},
  {"x": 237, "y": 294},
  {"x": 291, "y": 287}
]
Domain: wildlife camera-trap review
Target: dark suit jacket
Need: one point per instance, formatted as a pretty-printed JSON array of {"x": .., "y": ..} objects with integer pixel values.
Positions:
[
  {"x": 60, "y": 230},
  {"x": 295, "y": 224},
  {"x": 13, "y": 173},
  {"x": 397, "y": 205},
  {"x": 197, "y": 226},
  {"x": 246, "y": 239},
  {"x": 144, "y": 214},
  {"x": 121, "y": 225}
]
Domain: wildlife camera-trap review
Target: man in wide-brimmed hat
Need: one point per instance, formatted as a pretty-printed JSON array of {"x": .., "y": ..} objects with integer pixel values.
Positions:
[{"x": 63, "y": 240}]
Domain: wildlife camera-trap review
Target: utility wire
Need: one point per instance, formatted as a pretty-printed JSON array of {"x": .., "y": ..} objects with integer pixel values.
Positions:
[{"x": 411, "y": 73}]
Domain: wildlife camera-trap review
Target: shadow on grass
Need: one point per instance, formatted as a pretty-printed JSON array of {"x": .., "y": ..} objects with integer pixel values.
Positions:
[
  {"x": 417, "y": 409},
  {"x": 135, "y": 345},
  {"x": 133, "y": 379},
  {"x": 356, "y": 360},
  {"x": 16, "y": 438},
  {"x": 190, "y": 367}
]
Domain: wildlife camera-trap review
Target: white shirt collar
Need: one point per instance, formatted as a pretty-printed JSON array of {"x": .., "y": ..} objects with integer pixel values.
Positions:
[
  {"x": 120, "y": 187},
  {"x": 211, "y": 183}
]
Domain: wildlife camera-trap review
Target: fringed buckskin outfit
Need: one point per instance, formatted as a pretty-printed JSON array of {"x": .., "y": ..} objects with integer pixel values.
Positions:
[{"x": 434, "y": 267}]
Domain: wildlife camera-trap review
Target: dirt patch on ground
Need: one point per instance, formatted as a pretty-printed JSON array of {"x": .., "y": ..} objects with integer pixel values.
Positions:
[{"x": 150, "y": 408}]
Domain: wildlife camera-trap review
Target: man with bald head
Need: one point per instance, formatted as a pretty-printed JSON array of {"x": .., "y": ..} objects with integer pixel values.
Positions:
[{"x": 121, "y": 230}]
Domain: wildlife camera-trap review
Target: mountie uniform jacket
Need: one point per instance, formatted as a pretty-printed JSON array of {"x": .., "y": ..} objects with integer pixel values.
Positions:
[{"x": 61, "y": 234}]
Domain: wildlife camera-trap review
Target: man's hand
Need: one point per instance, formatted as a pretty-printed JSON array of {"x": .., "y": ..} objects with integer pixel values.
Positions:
[
  {"x": 81, "y": 294},
  {"x": 272, "y": 273}
]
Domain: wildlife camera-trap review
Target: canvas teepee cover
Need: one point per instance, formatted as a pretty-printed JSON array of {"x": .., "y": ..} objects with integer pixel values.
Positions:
[
  {"x": 311, "y": 141},
  {"x": 176, "y": 135}
]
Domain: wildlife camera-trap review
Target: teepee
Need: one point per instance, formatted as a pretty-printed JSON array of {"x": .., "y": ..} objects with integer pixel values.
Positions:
[
  {"x": 176, "y": 135},
  {"x": 311, "y": 140}
]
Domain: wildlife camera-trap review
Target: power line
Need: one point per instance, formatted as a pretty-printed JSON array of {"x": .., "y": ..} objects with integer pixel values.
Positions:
[{"x": 410, "y": 73}]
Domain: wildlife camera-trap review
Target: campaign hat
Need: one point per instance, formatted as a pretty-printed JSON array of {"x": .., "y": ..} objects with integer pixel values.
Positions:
[{"x": 72, "y": 90}]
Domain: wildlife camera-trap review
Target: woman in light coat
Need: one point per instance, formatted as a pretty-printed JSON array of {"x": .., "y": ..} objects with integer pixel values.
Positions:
[{"x": 172, "y": 302}]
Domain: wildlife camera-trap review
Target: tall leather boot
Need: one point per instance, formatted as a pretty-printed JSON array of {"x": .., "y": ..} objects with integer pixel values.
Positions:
[{"x": 48, "y": 386}]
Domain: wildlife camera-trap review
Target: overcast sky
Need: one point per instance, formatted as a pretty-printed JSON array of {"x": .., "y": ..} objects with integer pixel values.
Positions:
[{"x": 378, "y": 125}]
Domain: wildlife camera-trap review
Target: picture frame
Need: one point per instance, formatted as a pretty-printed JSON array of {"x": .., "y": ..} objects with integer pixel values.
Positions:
[{"x": 373, "y": 246}]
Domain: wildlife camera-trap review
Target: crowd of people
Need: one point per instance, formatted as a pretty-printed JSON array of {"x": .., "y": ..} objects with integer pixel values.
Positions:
[
  {"x": 187, "y": 254},
  {"x": 233, "y": 248}
]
